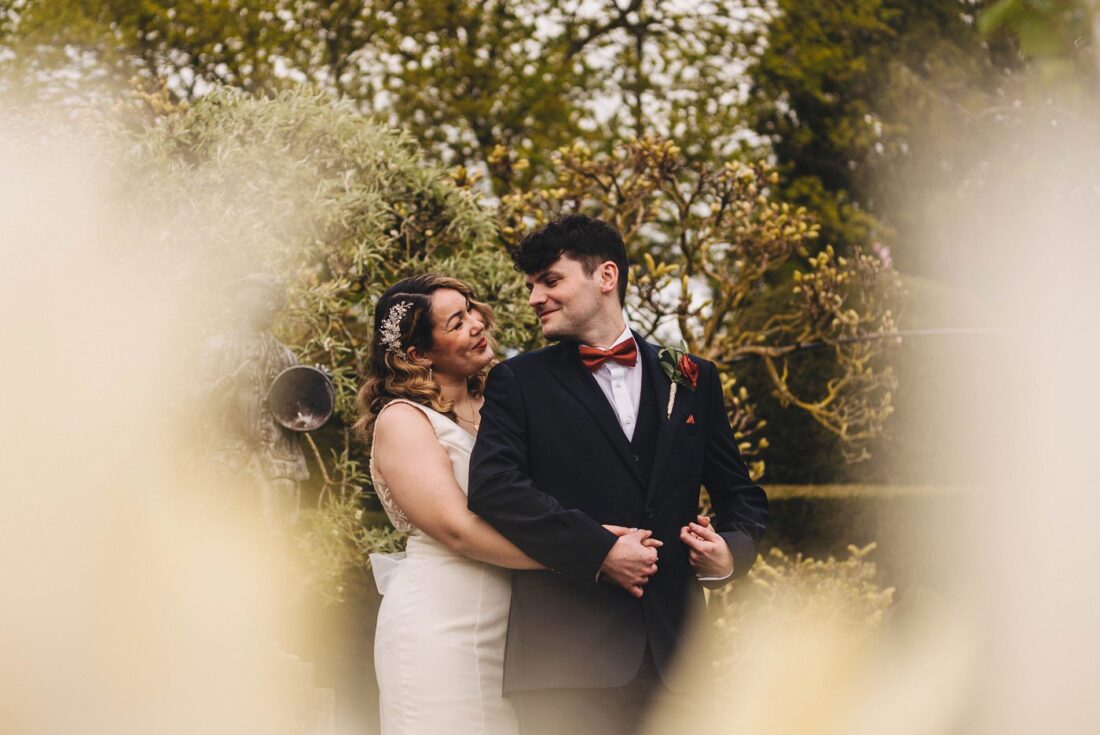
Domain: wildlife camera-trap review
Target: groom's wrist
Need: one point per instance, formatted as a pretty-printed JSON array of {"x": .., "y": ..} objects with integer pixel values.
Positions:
[
  {"x": 743, "y": 549},
  {"x": 587, "y": 567}
]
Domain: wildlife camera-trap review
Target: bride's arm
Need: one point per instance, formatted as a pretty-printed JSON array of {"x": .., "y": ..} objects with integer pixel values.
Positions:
[{"x": 420, "y": 476}]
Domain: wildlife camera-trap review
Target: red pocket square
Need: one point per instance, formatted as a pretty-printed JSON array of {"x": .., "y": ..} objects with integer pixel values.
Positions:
[{"x": 691, "y": 419}]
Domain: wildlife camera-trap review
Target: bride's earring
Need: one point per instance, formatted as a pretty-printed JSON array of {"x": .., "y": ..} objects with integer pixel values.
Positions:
[{"x": 429, "y": 372}]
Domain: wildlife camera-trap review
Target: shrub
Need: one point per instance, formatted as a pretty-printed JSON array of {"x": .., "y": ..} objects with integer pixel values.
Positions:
[
  {"x": 338, "y": 207},
  {"x": 792, "y": 590}
]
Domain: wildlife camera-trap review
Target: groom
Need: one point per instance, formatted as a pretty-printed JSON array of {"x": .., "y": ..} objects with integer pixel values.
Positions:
[{"x": 582, "y": 434}]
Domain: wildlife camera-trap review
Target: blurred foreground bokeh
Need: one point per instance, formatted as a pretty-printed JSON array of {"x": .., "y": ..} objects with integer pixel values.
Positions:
[
  {"x": 995, "y": 630},
  {"x": 135, "y": 600}
]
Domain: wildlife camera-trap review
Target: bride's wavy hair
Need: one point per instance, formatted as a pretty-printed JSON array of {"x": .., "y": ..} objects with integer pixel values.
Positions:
[{"x": 391, "y": 375}]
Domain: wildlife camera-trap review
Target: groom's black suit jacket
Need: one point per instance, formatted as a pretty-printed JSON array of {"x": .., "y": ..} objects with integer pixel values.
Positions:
[{"x": 551, "y": 464}]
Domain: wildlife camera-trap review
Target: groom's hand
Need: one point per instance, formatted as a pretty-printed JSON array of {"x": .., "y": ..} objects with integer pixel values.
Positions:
[
  {"x": 623, "y": 530},
  {"x": 708, "y": 552},
  {"x": 631, "y": 562}
]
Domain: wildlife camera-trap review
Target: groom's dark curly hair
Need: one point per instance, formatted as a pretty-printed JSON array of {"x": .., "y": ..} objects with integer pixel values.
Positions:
[{"x": 585, "y": 239}]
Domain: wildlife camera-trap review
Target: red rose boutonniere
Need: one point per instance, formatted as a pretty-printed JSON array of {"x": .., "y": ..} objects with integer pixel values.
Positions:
[{"x": 680, "y": 369}]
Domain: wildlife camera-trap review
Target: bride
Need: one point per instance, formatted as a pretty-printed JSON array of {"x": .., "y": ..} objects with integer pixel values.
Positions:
[{"x": 439, "y": 644}]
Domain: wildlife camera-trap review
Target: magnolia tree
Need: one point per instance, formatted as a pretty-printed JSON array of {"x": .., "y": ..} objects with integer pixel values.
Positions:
[{"x": 711, "y": 248}]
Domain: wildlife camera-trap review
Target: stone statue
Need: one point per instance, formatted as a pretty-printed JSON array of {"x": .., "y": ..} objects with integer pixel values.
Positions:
[{"x": 245, "y": 443}]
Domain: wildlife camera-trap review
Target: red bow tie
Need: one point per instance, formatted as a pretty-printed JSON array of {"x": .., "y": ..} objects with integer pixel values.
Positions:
[{"x": 624, "y": 353}]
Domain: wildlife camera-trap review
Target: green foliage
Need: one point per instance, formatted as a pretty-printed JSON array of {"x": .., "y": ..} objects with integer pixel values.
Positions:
[
  {"x": 468, "y": 77},
  {"x": 906, "y": 521},
  {"x": 670, "y": 359},
  {"x": 861, "y": 102},
  {"x": 812, "y": 95},
  {"x": 498, "y": 87},
  {"x": 337, "y": 536},
  {"x": 790, "y": 591},
  {"x": 1056, "y": 35},
  {"x": 465, "y": 77},
  {"x": 196, "y": 44},
  {"x": 916, "y": 438},
  {"x": 338, "y": 208}
]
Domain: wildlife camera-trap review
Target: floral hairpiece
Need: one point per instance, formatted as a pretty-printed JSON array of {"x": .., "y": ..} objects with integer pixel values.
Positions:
[{"x": 391, "y": 327}]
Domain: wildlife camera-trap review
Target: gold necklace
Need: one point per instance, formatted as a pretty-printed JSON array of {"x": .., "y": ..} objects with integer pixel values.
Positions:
[{"x": 472, "y": 421}]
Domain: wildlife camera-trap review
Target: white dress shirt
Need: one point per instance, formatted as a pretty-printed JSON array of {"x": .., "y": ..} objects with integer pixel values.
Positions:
[{"x": 622, "y": 385}]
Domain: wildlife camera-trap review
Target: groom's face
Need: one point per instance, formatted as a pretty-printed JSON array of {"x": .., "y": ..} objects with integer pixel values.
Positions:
[{"x": 565, "y": 299}]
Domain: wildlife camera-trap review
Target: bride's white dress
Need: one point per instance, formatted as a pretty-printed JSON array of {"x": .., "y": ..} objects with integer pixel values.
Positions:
[{"x": 439, "y": 645}]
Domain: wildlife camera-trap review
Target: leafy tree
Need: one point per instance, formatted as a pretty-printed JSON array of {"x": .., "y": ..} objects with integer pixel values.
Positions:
[
  {"x": 1057, "y": 37},
  {"x": 861, "y": 102},
  {"x": 811, "y": 97},
  {"x": 194, "y": 45},
  {"x": 706, "y": 237},
  {"x": 467, "y": 78}
]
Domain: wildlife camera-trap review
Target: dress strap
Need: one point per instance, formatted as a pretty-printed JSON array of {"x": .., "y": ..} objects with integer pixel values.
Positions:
[{"x": 427, "y": 411}]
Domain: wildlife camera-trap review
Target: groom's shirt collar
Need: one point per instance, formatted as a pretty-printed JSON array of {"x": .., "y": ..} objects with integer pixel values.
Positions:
[
  {"x": 625, "y": 335},
  {"x": 622, "y": 385}
]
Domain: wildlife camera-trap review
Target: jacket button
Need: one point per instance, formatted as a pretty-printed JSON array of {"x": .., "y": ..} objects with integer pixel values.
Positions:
[
  {"x": 636, "y": 458},
  {"x": 648, "y": 515}
]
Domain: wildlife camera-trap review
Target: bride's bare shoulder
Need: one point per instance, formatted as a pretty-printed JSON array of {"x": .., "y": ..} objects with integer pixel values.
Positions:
[
  {"x": 404, "y": 438},
  {"x": 402, "y": 422}
]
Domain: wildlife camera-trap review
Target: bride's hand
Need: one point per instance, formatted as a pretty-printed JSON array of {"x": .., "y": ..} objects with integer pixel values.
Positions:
[{"x": 647, "y": 538}]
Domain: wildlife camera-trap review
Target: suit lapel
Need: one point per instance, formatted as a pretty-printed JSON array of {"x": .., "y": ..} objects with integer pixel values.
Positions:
[
  {"x": 668, "y": 427},
  {"x": 566, "y": 367}
]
